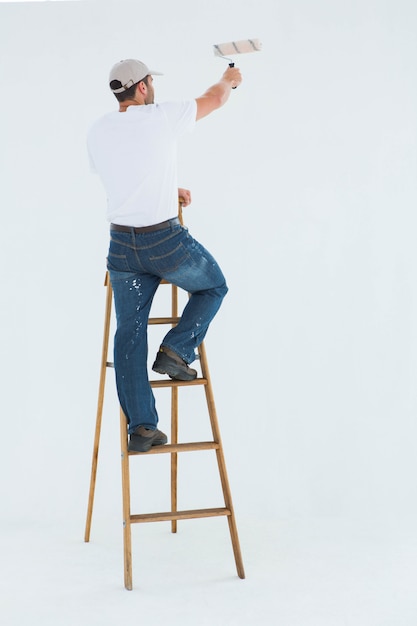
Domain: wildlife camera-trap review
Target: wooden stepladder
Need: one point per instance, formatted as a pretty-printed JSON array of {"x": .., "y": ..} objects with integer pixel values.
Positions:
[{"x": 174, "y": 448}]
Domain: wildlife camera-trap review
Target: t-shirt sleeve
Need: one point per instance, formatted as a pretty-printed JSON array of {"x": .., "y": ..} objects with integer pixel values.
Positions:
[{"x": 181, "y": 116}]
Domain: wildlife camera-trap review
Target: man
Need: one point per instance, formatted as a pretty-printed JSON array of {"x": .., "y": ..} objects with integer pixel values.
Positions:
[{"x": 134, "y": 152}]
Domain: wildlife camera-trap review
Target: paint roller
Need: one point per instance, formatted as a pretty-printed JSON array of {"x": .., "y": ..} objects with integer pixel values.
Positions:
[{"x": 225, "y": 50}]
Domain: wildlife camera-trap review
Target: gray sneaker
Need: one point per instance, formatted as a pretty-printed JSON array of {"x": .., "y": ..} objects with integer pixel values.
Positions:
[
  {"x": 143, "y": 439},
  {"x": 169, "y": 362}
]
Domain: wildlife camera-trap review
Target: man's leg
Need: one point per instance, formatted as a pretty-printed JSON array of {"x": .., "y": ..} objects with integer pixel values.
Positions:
[
  {"x": 133, "y": 295},
  {"x": 195, "y": 320},
  {"x": 200, "y": 275}
]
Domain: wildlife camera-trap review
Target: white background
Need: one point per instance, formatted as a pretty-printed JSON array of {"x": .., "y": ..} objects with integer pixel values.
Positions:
[{"x": 304, "y": 189}]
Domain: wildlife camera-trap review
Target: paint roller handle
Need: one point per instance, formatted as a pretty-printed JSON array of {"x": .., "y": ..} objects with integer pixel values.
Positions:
[{"x": 232, "y": 65}]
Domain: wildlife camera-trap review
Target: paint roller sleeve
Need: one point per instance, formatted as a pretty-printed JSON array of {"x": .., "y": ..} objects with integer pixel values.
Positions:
[{"x": 237, "y": 47}]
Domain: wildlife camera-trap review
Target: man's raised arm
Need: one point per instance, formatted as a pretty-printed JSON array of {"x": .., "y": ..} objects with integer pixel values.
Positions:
[{"x": 217, "y": 95}]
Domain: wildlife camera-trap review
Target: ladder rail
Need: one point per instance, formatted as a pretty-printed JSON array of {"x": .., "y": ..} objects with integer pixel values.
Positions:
[
  {"x": 174, "y": 421},
  {"x": 100, "y": 404},
  {"x": 221, "y": 462},
  {"x": 127, "y": 534}
]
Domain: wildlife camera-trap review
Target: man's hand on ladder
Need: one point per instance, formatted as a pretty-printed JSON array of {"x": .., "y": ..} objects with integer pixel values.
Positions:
[{"x": 184, "y": 197}]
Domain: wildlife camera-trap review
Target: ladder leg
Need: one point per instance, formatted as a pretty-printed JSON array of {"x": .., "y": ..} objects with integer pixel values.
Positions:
[
  {"x": 174, "y": 455},
  {"x": 221, "y": 462},
  {"x": 100, "y": 401},
  {"x": 127, "y": 534},
  {"x": 174, "y": 427}
]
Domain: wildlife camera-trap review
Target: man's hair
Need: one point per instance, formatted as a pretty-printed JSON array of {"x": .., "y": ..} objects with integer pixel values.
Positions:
[{"x": 129, "y": 93}]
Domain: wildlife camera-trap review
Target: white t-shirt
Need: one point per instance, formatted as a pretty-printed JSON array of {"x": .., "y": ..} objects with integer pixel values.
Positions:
[{"x": 135, "y": 155}]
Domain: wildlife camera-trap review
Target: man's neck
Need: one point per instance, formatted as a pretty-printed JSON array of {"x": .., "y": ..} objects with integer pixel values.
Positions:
[{"x": 128, "y": 103}]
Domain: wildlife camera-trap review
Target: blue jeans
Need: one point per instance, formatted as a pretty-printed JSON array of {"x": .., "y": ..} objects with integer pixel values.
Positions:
[{"x": 137, "y": 263}]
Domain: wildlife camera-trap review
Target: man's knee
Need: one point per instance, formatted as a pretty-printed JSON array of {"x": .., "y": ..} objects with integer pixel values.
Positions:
[{"x": 222, "y": 290}]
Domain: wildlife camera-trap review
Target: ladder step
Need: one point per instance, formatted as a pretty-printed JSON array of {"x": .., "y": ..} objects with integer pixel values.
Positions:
[
  {"x": 179, "y": 447},
  {"x": 177, "y": 383},
  {"x": 177, "y": 515},
  {"x": 163, "y": 320},
  {"x": 158, "y": 384}
]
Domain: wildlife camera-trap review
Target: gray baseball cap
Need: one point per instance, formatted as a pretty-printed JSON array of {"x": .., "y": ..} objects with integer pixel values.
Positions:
[{"x": 129, "y": 72}]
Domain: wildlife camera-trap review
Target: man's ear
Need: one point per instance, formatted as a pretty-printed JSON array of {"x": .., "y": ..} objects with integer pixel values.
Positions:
[{"x": 142, "y": 87}]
